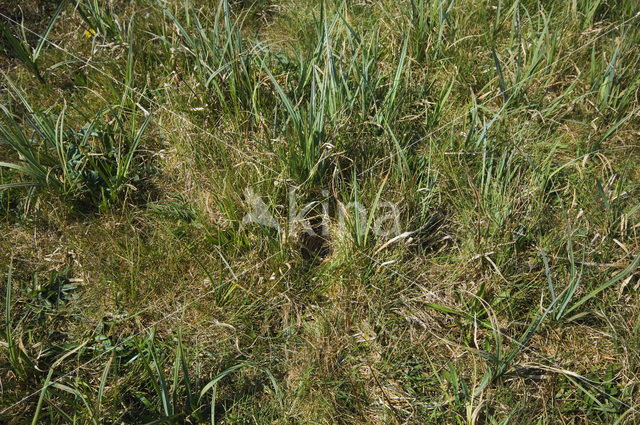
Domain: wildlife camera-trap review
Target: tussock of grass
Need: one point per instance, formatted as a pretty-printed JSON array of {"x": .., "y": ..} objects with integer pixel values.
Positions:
[{"x": 135, "y": 137}]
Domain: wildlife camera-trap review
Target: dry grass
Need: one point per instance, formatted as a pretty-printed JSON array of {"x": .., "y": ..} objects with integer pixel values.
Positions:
[{"x": 505, "y": 136}]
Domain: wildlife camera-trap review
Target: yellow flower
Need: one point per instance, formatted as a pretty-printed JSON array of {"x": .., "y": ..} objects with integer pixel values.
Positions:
[{"x": 90, "y": 33}]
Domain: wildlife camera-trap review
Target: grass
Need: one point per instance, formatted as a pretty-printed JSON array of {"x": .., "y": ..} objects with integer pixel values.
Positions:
[
  {"x": 475, "y": 162},
  {"x": 18, "y": 45},
  {"x": 93, "y": 163}
]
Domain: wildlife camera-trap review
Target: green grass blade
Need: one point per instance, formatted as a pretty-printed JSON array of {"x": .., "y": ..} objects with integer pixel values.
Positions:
[
  {"x": 47, "y": 31},
  {"x": 628, "y": 270},
  {"x": 18, "y": 49},
  {"x": 496, "y": 61}
]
